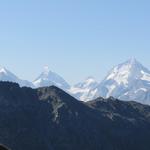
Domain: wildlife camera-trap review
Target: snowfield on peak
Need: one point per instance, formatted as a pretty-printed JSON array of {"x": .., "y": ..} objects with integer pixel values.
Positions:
[
  {"x": 127, "y": 81},
  {"x": 6, "y": 75},
  {"x": 49, "y": 78},
  {"x": 82, "y": 90}
]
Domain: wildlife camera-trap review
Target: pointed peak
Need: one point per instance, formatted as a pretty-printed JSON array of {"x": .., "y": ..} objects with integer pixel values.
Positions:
[
  {"x": 3, "y": 70},
  {"x": 46, "y": 68},
  {"x": 90, "y": 78},
  {"x": 132, "y": 61}
]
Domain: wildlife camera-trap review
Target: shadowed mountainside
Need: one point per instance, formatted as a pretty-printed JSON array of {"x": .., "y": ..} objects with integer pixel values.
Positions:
[{"x": 48, "y": 118}]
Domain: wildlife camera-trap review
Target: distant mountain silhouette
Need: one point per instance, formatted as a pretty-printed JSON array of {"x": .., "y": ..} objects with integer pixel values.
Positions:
[{"x": 50, "y": 119}]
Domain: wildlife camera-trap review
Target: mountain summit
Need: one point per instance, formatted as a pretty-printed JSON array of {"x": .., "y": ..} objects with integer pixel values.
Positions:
[
  {"x": 127, "y": 81},
  {"x": 81, "y": 90},
  {"x": 6, "y": 75},
  {"x": 48, "y": 78}
]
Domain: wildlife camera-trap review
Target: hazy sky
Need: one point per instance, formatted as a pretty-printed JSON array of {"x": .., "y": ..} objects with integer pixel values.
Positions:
[{"x": 75, "y": 38}]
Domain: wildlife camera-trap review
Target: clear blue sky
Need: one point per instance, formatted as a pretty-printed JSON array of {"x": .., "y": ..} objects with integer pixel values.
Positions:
[{"x": 75, "y": 38}]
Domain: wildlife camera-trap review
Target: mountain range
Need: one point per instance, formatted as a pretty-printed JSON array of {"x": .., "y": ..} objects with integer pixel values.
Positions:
[
  {"x": 48, "y": 118},
  {"x": 127, "y": 81}
]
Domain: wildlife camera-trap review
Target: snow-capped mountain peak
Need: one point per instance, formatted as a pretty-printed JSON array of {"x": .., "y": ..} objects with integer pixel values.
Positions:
[
  {"x": 46, "y": 70},
  {"x": 6, "y": 75},
  {"x": 88, "y": 82},
  {"x": 3, "y": 70},
  {"x": 48, "y": 78},
  {"x": 127, "y": 81},
  {"x": 81, "y": 90},
  {"x": 127, "y": 72}
]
